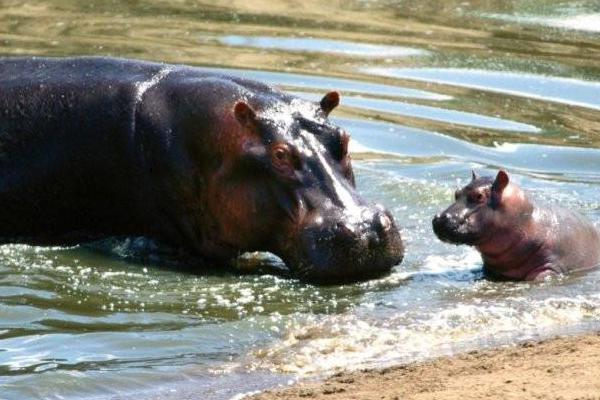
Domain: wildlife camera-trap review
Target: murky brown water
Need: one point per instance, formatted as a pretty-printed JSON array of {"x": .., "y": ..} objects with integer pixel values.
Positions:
[{"x": 430, "y": 90}]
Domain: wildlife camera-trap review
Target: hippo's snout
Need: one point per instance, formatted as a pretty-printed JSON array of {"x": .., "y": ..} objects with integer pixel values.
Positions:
[{"x": 341, "y": 249}]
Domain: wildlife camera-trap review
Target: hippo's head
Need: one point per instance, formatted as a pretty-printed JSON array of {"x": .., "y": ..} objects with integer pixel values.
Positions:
[
  {"x": 481, "y": 211},
  {"x": 286, "y": 186}
]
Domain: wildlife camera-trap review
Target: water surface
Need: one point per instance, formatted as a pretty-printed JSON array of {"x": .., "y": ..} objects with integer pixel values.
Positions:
[{"x": 430, "y": 91}]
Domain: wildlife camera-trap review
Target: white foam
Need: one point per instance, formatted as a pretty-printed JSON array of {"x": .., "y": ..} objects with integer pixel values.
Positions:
[
  {"x": 506, "y": 147},
  {"x": 589, "y": 22},
  {"x": 348, "y": 342},
  {"x": 317, "y": 45},
  {"x": 585, "y": 22},
  {"x": 448, "y": 263}
]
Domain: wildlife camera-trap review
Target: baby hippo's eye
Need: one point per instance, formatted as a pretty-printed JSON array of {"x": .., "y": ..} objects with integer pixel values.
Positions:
[{"x": 476, "y": 197}]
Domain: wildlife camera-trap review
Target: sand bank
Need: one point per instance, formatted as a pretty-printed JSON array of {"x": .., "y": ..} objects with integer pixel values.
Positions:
[{"x": 560, "y": 368}]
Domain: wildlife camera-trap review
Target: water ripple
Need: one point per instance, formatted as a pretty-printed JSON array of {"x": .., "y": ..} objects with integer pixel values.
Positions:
[
  {"x": 330, "y": 83},
  {"x": 575, "y": 92},
  {"x": 322, "y": 46}
]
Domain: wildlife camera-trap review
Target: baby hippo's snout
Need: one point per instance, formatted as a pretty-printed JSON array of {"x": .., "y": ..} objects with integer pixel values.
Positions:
[
  {"x": 450, "y": 227},
  {"x": 445, "y": 224}
]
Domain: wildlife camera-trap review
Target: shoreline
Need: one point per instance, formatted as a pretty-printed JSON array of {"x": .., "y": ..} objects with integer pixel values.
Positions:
[{"x": 558, "y": 368}]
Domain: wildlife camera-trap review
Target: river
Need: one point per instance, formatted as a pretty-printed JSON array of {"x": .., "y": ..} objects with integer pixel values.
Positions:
[{"x": 430, "y": 90}]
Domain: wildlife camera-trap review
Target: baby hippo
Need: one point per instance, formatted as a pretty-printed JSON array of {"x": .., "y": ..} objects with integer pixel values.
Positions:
[{"x": 517, "y": 239}]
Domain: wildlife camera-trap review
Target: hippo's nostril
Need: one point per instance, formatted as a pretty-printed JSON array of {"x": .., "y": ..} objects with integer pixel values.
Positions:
[
  {"x": 382, "y": 223},
  {"x": 385, "y": 222}
]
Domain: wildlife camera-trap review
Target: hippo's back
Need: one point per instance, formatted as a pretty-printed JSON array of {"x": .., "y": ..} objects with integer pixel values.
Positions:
[
  {"x": 46, "y": 100},
  {"x": 16, "y": 71},
  {"x": 68, "y": 157},
  {"x": 76, "y": 134},
  {"x": 576, "y": 239}
]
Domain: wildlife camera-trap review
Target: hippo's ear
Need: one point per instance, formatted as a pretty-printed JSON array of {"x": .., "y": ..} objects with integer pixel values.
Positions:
[
  {"x": 474, "y": 175},
  {"x": 244, "y": 114},
  {"x": 498, "y": 187},
  {"x": 329, "y": 102}
]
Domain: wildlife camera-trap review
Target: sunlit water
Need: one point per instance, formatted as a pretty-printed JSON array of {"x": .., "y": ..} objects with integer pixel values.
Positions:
[{"x": 468, "y": 86}]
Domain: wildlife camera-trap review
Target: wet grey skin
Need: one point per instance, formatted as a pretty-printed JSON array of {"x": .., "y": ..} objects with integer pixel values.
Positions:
[
  {"x": 212, "y": 164},
  {"x": 517, "y": 238}
]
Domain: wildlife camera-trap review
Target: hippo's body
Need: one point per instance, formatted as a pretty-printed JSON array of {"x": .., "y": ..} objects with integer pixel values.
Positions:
[
  {"x": 72, "y": 161},
  {"x": 518, "y": 239},
  {"x": 217, "y": 165}
]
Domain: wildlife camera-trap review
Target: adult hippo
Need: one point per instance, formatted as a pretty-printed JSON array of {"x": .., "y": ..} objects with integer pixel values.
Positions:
[
  {"x": 517, "y": 239},
  {"x": 214, "y": 164}
]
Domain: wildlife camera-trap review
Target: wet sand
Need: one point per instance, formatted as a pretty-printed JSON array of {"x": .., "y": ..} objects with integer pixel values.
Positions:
[{"x": 560, "y": 368}]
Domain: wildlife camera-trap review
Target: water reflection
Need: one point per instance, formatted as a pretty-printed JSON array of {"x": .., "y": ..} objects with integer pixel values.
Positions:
[
  {"x": 431, "y": 113},
  {"x": 574, "y": 92},
  {"x": 322, "y": 46},
  {"x": 389, "y": 139},
  {"x": 580, "y": 22},
  {"x": 328, "y": 83}
]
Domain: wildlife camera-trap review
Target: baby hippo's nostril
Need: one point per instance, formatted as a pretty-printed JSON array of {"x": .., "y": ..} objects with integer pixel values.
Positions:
[
  {"x": 440, "y": 220},
  {"x": 442, "y": 217}
]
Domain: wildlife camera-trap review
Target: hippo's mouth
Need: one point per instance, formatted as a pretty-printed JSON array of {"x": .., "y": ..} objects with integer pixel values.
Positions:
[
  {"x": 302, "y": 269},
  {"x": 455, "y": 237},
  {"x": 343, "y": 274},
  {"x": 338, "y": 253}
]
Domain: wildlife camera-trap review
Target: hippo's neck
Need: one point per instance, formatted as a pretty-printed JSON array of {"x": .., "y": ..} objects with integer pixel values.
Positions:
[{"x": 514, "y": 251}]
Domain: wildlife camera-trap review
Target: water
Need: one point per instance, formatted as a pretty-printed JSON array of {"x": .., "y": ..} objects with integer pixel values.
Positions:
[{"x": 430, "y": 91}]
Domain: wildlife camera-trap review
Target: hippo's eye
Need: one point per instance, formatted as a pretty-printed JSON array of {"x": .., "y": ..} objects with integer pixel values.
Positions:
[
  {"x": 344, "y": 145},
  {"x": 285, "y": 160},
  {"x": 338, "y": 146}
]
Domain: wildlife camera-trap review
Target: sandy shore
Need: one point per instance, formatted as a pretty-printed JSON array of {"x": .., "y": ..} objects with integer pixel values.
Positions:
[{"x": 561, "y": 368}]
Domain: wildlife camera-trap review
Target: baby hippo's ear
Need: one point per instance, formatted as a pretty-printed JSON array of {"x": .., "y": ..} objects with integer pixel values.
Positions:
[
  {"x": 329, "y": 102},
  {"x": 501, "y": 181},
  {"x": 498, "y": 187},
  {"x": 244, "y": 114}
]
